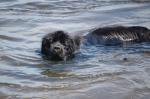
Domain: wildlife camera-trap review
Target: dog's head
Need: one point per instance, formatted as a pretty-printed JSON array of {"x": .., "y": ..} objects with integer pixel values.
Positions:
[{"x": 59, "y": 45}]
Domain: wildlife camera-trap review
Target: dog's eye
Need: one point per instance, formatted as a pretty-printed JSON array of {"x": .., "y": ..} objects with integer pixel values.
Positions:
[
  {"x": 67, "y": 42},
  {"x": 67, "y": 48},
  {"x": 64, "y": 43}
]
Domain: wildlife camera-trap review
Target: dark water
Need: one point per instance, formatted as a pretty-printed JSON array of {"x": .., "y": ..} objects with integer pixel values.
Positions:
[{"x": 97, "y": 72}]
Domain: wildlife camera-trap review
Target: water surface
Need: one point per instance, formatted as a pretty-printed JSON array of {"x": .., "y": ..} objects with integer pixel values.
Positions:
[{"x": 97, "y": 72}]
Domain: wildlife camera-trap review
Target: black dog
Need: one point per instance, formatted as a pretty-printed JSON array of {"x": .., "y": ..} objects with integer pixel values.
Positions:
[{"x": 61, "y": 46}]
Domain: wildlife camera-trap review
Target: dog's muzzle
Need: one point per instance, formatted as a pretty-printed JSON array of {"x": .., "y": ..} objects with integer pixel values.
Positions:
[{"x": 57, "y": 51}]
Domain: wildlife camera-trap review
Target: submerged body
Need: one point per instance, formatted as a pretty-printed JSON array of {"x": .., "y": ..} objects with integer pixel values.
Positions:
[
  {"x": 60, "y": 45},
  {"x": 118, "y": 35}
]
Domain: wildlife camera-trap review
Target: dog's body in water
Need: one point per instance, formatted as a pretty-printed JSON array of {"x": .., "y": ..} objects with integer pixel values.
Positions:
[
  {"x": 118, "y": 35},
  {"x": 59, "y": 45}
]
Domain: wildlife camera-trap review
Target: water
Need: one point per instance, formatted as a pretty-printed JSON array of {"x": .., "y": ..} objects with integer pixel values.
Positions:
[{"x": 97, "y": 72}]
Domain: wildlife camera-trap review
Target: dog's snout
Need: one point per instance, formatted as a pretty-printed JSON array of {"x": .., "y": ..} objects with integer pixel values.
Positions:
[{"x": 57, "y": 49}]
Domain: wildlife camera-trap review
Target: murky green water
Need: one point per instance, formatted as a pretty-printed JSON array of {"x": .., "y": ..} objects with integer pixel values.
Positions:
[{"x": 97, "y": 72}]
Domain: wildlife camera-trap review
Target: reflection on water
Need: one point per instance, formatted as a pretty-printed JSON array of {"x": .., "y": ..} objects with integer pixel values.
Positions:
[{"x": 99, "y": 72}]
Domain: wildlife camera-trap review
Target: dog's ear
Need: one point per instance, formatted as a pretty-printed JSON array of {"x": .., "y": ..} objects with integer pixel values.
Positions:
[
  {"x": 45, "y": 45},
  {"x": 77, "y": 40}
]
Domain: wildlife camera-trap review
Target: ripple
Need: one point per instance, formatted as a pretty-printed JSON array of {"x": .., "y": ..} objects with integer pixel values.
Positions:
[{"x": 10, "y": 38}]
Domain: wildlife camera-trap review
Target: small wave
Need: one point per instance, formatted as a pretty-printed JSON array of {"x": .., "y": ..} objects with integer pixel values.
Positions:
[
  {"x": 10, "y": 38},
  {"x": 2, "y": 1}
]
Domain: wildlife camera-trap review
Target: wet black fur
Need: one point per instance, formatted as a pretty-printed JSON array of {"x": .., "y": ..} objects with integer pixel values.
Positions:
[
  {"x": 118, "y": 35},
  {"x": 111, "y": 35},
  {"x": 70, "y": 44}
]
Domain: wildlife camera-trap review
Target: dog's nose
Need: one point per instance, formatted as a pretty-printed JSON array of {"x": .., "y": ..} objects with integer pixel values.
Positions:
[{"x": 57, "y": 49}]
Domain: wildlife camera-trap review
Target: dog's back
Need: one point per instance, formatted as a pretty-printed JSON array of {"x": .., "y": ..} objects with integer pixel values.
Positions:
[{"x": 118, "y": 35}]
